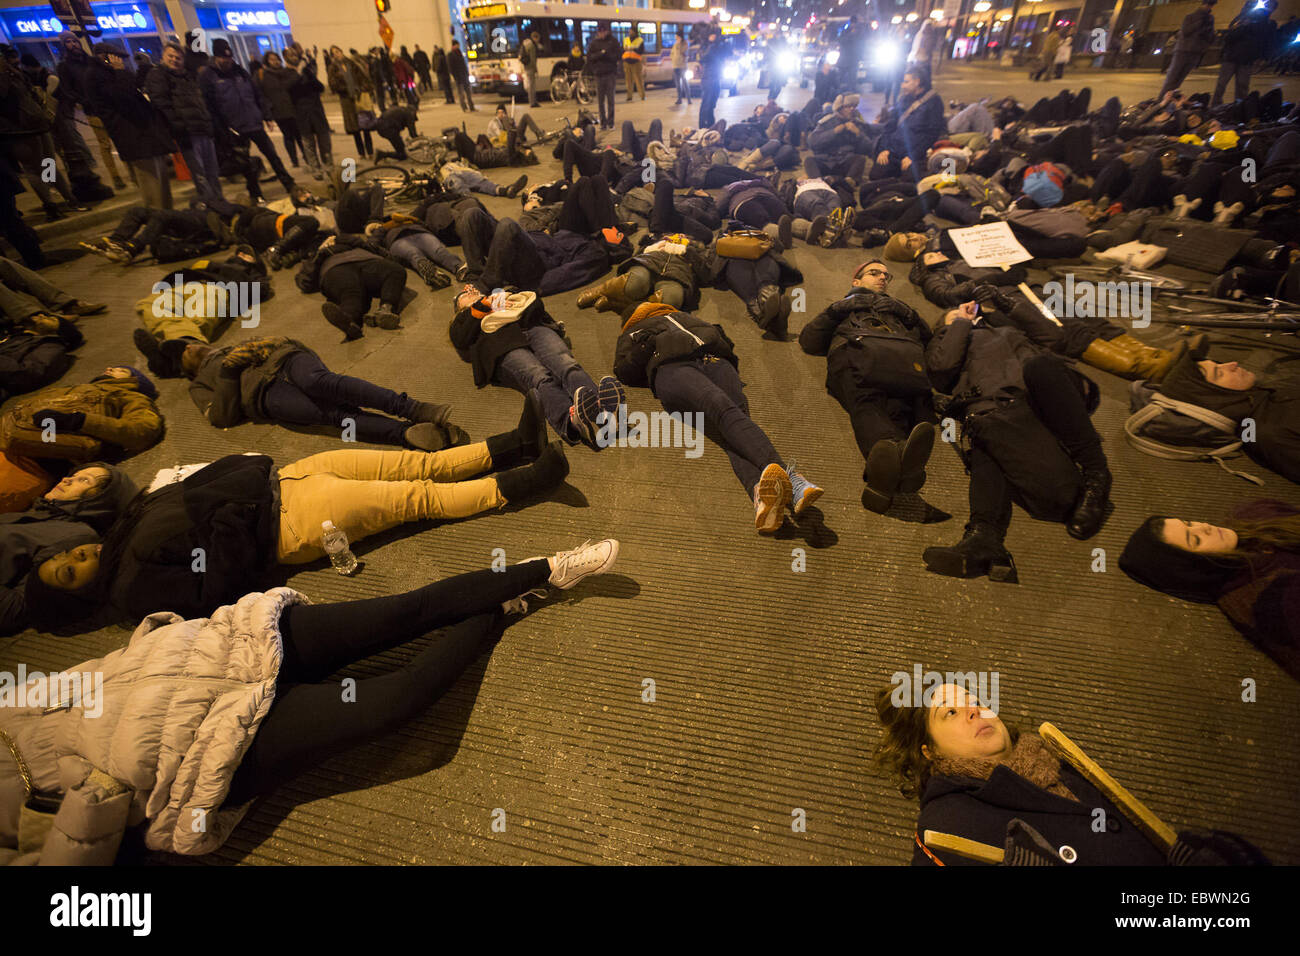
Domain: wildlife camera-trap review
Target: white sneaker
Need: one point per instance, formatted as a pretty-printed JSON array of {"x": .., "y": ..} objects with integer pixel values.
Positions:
[{"x": 570, "y": 567}]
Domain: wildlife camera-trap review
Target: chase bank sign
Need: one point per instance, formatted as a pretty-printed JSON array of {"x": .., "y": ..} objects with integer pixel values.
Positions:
[
  {"x": 236, "y": 20},
  {"x": 113, "y": 18}
]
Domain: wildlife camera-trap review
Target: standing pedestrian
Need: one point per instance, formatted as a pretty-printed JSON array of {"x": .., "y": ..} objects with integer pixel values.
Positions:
[
  {"x": 350, "y": 81},
  {"x": 1047, "y": 56},
  {"x": 633, "y": 67},
  {"x": 602, "y": 56},
  {"x": 851, "y": 41},
  {"x": 680, "y": 57},
  {"x": 1194, "y": 37},
  {"x": 1064, "y": 52},
  {"x": 276, "y": 85},
  {"x": 305, "y": 92},
  {"x": 136, "y": 127},
  {"x": 176, "y": 94},
  {"x": 420, "y": 60},
  {"x": 1249, "y": 38},
  {"x": 529, "y": 52},
  {"x": 443, "y": 71},
  {"x": 458, "y": 67},
  {"x": 234, "y": 103},
  {"x": 713, "y": 58}
]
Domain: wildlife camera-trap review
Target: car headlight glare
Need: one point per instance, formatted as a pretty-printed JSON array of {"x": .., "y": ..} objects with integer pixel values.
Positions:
[
  {"x": 731, "y": 72},
  {"x": 833, "y": 57},
  {"x": 789, "y": 62}
]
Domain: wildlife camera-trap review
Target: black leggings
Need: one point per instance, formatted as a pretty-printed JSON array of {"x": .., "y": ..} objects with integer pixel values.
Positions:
[
  {"x": 311, "y": 721},
  {"x": 665, "y": 216},
  {"x": 635, "y": 143},
  {"x": 292, "y": 138},
  {"x": 588, "y": 162},
  {"x": 365, "y": 147},
  {"x": 351, "y": 285}
]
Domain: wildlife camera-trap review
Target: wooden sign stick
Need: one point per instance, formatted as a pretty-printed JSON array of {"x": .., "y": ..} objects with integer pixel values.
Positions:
[
  {"x": 1029, "y": 294},
  {"x": 1133, "y": 808},
  {"x": 971, "y": 849}
]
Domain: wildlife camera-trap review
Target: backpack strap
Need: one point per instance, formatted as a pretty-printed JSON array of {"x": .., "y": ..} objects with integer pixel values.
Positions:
[{"x": 1160, "y": 404}]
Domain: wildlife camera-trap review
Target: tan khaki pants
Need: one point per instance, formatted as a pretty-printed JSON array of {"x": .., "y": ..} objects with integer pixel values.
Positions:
[{"x": 365, "y": 492}]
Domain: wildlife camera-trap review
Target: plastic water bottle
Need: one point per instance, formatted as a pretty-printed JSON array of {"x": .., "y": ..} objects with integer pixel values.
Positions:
[{"x": 335, "y": 543}]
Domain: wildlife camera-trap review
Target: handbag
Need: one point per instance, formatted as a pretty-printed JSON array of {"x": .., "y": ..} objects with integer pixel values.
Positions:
[
  {"x": 366, "y": 119},
  {"x": 744, "y": 244}
]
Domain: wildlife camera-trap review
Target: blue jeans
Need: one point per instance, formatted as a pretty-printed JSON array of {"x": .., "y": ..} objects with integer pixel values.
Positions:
[
  {"x": 548, "y": 369},
  {"x": 713, "y": 386},
  {"x": 305, "y": 392},
  {"x": 812, "y": 203},
  {"x": 201, "y": 157},
  {"x": 470, "y": 180},
  {"x": 415, "y": 244}
]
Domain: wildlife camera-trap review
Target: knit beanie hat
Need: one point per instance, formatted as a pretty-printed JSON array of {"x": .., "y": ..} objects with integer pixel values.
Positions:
[
  {"x": 896, "y": 249},
  {"x": 143, "y": 381},
  {"x": 48, "y": 607},
  {"x": 845, "y": 100},
  {"x": 1149, "y": 560}
]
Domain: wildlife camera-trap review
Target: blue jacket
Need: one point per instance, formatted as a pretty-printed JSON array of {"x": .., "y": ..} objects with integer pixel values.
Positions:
[
  {"x": 916, "y": 131},
  {"x": 233, "y": 100}
]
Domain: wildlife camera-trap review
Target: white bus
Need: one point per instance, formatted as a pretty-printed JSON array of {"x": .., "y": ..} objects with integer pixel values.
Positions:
[{"x": 493, "y": 30}]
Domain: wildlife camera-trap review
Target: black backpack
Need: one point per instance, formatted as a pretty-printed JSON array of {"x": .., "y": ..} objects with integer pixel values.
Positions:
[{"x": 1167, "y": 428}]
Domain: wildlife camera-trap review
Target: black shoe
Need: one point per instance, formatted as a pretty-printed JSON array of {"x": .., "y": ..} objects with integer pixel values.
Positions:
[
  {"x": 172, "y": 351},
  {"x": 915, "y": 455},
  {"x": 513, "y": 189},
  {"x": 384, "y": 317},
  {"x": 148, "y": 347},
  {"x": 335, "y": 316},
  {"x": 874, "y": 238},
  {"x": 766, "y": 306},
  {"x": 979, "y": 552},
  {"x": 549, "y": 470},
  {"x": 1089, "y": 512},
  {"x": 431, "y": 412},
  {"x": 815, "y": 230},
  {"x": 884, "y": 468},
  {"x": 426, "y": 436}
]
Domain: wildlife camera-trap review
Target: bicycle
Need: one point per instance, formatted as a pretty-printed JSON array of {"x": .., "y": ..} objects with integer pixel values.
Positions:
[
  {"x": 571, "y": 83},
  {"x": 398, "y": 183}
]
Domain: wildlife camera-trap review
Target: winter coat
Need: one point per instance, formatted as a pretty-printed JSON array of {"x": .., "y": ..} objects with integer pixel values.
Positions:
[
  {"x": 981, "y": 809},
  {"x": 689, "y": 269},
  {"x": 420, "y": 60},
  {"x": 457, "y": 67},
  {"x": 1197, "y": 32},
  {"x": 178, "y": 710},
  {"x": 646, "y": 344},
  {"x": 178, "y": 97},
  {"x": 913, "y": 133},
  {"x": 233, "y": 100},
  {"x": 1249, "y": 38},
  {"x": 694, "y": 160},
  {"x": 229, "y": 386},
  {"x": 119, "y": 417},
  {"x": 30, "y": 361},
  {"x": 979, "y": 366},
  {"x": 1263, "y": 601},
  {"x": 860, "y": 317},
  {"x": 276, "y": 85},
  {"x": 825, "y": 141},
  {"x": 604, "y": 55},
  {"x": 484, "y": 351},
  {"x": 306, "y": 88},
  {"x": 348, "y": 80},
  {"x": 950, "y": 284},
  {"x": 229, "y": 509},
  {"x": 756, "y": 195},
  {"x": 1050, "y": 45},
  {"x": 48, "y": 528},
  {"x": 137, "y": 128}
]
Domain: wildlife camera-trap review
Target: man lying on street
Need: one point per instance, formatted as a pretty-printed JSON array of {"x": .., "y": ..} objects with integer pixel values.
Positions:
[
  {"x": 691, "y": 367},
  {"x": 989, "y": 782},
  {"x": 197, "y": 752},
  {"x": 279, "y": 380},
  {"x": 510, "y": 339},
  {"x": 246, "y": 518},
  {"x": 875, "y": 358},
  {"x": 1025, "y": 415},
  {"x": 351, "y": 272},
  {"x": 169, "y": 234},
  {"x": 26, "y": 295}
]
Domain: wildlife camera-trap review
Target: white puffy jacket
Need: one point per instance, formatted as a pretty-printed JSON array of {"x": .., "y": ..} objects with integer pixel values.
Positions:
[{"x": 180, "y": 706}]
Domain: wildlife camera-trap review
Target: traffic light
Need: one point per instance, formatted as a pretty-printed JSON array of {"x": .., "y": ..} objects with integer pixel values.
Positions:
[{"x": 383, "y": 6}]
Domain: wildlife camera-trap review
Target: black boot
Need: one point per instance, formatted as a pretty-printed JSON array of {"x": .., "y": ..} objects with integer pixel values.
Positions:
[
  {"x": 915, "y": 456},
  {"x": 148, "y": 346},
  {"x": 549, "y": 470},
  {"x": 525, "y": 443},
  {"x": 430, "y": 273},
  {"x": 978, "y": 553},
  {"x": 1089, "y": 512},
  {"x": 431, "y": 412},
  {"x": 882, "y": 474},
  {"x": 336, "y": 317}
]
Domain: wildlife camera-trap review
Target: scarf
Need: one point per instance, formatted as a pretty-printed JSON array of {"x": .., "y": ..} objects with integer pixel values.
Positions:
[{"x": 1029, "y": 759}]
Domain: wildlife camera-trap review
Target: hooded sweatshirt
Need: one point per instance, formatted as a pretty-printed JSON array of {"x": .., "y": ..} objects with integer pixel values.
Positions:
[{"x": 48, "y": 527}]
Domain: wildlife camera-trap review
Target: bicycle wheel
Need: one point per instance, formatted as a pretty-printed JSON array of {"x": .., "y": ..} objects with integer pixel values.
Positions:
[
  {"x": 582, "y": 92},
  {"x": 393, "y": 179},
  {"x": 559, "y": 89}
]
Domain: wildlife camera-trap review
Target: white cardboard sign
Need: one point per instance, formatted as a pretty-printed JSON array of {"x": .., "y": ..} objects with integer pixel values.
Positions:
[{"x": 989, "y": 244}]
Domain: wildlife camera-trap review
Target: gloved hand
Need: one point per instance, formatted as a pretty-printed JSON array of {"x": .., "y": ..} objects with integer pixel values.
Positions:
[
  {"x": 1196, "y": 847},
  {"x": 1025, "y": 846},
  {"x": 63, "y": 421},
  {"x": 984, "y": 293}
]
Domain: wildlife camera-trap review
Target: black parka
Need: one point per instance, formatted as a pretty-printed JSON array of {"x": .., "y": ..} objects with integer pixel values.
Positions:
[
  {"x": 177, "y": 96},
  {"x": 646, "y": 344}
]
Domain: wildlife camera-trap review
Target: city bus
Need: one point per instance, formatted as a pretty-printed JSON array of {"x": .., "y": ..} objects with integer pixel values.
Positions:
[{"x": 493, "y": 30}]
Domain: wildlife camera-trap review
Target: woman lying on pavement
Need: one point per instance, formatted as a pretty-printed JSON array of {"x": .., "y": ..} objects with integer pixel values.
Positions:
[
  {"x": 691, "y": 367},
  {"x": 211, "y": 713},
  {"x": 1249, "y": 566},
  {"x": 245, "y": 518},
  {"x": 983, "y": 780}
]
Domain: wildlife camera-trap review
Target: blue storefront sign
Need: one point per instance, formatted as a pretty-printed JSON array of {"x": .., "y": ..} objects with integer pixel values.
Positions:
[
  {"x": 244, "y": 19},
  {"x": 115, "y": 18}
]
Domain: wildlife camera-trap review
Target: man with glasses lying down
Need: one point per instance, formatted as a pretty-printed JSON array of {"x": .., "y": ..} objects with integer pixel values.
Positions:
[{"x": 875, "y": 367}]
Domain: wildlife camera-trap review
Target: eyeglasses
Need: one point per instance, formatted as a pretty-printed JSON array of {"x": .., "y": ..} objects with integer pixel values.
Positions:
[{"x": 879, "y": 274}]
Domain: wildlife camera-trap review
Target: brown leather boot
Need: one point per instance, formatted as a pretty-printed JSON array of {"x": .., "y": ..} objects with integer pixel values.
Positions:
[
  {"x": 1130, "y": 358},
  {"x": 607, "y": 297}
]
